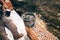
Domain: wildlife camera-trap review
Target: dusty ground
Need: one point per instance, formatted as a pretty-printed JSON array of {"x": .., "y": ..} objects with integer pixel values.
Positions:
[{"x": 54, "y": 31}]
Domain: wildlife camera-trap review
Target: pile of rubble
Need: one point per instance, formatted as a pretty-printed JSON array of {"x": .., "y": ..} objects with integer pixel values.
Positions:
[{"x": 40, "y": 33}]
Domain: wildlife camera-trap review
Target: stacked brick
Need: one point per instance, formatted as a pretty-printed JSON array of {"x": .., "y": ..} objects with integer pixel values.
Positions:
[{"x": 43, "y": 35}]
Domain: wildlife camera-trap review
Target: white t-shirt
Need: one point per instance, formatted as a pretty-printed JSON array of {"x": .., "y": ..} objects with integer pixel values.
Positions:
[{"x": 18, "y": 21}]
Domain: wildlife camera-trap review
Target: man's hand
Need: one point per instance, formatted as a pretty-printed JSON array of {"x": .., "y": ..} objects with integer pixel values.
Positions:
[{"x": 7, "y": 4}]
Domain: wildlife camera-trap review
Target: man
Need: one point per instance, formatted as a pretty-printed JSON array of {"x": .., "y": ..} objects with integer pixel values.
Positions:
[
  {"x": 13, "y": 21},
  {"x": 3, "y": 35}
]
